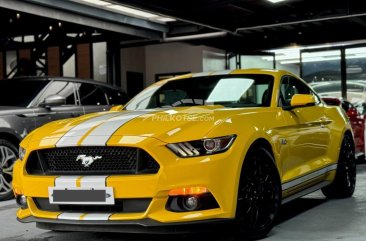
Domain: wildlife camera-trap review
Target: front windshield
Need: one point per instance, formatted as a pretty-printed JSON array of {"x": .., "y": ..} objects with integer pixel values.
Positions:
[
  {"x": 250, "y": 90},
  {"x": 25, "y": 91}
]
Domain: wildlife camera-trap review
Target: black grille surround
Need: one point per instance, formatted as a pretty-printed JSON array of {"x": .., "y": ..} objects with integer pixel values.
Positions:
[
  {"x": 133, "y": 205},
  {"x": 113, "y": 160}
]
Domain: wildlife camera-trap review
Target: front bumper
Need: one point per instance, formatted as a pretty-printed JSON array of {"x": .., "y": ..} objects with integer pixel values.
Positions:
[
  {"x": 219, "y": 173},
  {"x": 140, "y": 226}
]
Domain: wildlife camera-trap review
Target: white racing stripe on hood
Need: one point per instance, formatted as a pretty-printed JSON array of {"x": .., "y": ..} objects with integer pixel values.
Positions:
[
  {"x": 100, "y": 135},
  {"x": 72, "y": 137}
]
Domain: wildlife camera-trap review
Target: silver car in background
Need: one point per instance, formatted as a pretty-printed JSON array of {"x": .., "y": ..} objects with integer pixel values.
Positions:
[{"x": 30, "y": 102}]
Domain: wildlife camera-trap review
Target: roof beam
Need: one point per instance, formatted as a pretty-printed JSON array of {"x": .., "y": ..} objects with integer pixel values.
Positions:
[{"x": 97, "y": 18}]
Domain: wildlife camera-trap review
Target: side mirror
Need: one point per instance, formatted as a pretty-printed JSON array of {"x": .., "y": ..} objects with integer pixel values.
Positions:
[
  {"x": 53, "y": 100},
  {"x": 117, "y": 108},
  {"x": 301, "y": 100}
]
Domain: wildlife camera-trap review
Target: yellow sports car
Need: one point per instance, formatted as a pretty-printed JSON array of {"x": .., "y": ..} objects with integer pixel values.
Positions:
[{"x": 203, "y": 148}]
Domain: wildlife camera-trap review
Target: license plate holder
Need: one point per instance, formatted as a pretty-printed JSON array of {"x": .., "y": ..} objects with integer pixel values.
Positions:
[{"x": 81, "y": 196}]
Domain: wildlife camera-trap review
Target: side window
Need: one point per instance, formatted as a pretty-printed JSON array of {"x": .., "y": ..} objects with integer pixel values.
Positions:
[
  {"x": 61, "y": 88},
  {"x": 291, "y": 86},
  {"x": 115, "y": 97},
  {"x": 91, "y": 94}
]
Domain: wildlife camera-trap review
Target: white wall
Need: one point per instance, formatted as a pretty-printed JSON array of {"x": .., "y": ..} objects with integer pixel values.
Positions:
[
  {"x": 213, "y": 59},
  {"x": 169, "y": 58},
  {"x": 100, "y": 61}
]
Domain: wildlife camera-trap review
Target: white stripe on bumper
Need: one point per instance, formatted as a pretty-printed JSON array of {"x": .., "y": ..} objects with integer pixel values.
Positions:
[
  {"x": 66, "y": 181},
  {"x": 97, "y": 216},
  {"x": 93, "y": 181},
  {"x": 70, "y": 216}
]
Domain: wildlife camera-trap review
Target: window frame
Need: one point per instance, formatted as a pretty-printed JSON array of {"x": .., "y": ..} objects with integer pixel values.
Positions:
[
  {"x": 100, "y": 87},
  {"x": 292, "y": 79}
]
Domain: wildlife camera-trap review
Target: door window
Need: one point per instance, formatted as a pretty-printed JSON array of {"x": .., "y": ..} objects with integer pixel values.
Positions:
[
  {"x": 115, "y": 97},
  {"x": 91, "y": 94},
  {"x": 61, "y": 88},
  {"x": 291, "y": 86}
]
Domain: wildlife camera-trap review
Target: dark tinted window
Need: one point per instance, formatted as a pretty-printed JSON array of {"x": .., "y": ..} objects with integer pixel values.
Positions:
[
  {"x": 91, "y": 94},
  {"x": 61, "y": 88},
  {"x": 23, "y": 91},
  {"x": 115, "y": 97}
]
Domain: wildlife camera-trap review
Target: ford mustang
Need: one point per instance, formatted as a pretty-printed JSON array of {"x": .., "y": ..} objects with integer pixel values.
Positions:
[{"x": 190, "y": 151}]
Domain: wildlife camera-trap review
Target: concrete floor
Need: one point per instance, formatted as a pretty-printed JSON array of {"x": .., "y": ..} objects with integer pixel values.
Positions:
[{"x": 309, "y": 218}]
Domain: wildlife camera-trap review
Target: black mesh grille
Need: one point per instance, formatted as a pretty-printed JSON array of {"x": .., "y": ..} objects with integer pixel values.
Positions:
[
  {"x": 107, "y": 160},
  {"x": 135, "y": 205}
]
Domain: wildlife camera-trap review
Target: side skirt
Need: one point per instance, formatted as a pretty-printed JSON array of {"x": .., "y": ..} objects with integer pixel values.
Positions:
[{"x": 306, "y": 191}]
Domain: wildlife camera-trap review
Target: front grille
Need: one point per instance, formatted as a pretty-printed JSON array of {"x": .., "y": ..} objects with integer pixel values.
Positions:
[
  {"x": 135, "y": 205},
  {"x": 110, "y": 160}
]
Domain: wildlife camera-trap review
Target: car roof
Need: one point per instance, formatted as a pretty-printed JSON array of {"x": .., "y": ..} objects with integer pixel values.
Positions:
[
  {"x": 70, "y": 79},
  {"x": 231, "y": 72}
]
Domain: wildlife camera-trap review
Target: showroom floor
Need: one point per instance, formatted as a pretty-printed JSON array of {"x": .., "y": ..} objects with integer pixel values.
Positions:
[{"x": 309, "y": 218}]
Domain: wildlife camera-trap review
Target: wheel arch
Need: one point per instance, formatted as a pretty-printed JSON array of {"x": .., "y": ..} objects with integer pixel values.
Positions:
[
  {"x": 259, "y": 142},
  {"x": 349, "y": 133},
  {"x": 10, "y": 136}
]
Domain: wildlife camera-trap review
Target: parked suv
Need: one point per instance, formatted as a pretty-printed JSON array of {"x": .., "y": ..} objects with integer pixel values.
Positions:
[{"x": 29, "y": 102}]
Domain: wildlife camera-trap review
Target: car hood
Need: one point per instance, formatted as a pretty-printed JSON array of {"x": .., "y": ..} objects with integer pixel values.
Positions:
[{"x": 168, "y": 125}]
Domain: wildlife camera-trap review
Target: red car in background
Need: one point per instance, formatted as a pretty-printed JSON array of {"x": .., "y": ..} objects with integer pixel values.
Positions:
[{"x": 357, "y": 121}]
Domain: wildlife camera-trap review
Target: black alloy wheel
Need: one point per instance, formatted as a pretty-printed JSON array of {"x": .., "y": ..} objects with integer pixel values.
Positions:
[
  {"x": 259, "y": 196},
  {"x": 344, "y": 183}
]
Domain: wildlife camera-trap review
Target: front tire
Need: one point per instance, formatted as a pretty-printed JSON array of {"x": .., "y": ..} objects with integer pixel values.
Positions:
[
  {"x": 344, "y": 183},
  {"x": 259, "y": 195},
  {"x": 8, "y": 156}
]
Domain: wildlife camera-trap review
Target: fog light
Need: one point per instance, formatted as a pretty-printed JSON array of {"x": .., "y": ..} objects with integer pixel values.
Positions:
[
  {"x": 21, "y": 200},
  {"x": 190, "y": 203}
]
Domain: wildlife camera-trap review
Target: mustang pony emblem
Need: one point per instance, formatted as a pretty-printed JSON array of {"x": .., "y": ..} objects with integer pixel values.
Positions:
[{"x": 86, "y": 161}]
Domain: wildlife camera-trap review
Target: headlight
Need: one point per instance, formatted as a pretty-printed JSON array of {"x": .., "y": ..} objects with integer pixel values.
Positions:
[
  {"x": 22, "y": 152},
  {"x": 202, "y": 147}
]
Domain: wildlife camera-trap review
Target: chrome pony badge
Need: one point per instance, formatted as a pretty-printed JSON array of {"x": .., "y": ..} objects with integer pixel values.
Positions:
[{"x": 86, "y": 161}]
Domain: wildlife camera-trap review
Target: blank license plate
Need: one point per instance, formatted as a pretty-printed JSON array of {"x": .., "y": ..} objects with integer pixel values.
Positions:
[{"x": 81, "y": 196}]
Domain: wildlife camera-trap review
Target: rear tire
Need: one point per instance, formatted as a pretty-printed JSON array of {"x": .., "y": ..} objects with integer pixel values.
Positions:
[
  {"x": 344, "y": 183},
  {"x": 259, "y": 195},
  {"x": 8, "y": 156}
]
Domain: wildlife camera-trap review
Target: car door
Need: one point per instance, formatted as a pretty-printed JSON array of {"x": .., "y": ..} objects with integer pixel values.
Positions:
[
  {"x": 92, "y": 98},
  {"x": 306, "y": 135},
  {"x": 70, "y": 109}
]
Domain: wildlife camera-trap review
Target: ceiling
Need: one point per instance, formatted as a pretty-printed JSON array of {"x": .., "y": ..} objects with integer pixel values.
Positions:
[
  {"x": 233, "y": 25},
  {"x": 260, "y": 24}
]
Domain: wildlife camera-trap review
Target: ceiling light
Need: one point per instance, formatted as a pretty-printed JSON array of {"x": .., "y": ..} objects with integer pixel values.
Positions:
[
  {"x": 127, "y": 10},
  {"x": 132, "y": 11},
  {"x": 163, "y": 19},
  {"x": 276, "y": 1},
  {"x": 97, "y": 2}
]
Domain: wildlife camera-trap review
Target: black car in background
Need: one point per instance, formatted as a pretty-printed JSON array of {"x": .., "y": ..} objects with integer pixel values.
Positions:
[{"x": 29, "y": 102}]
